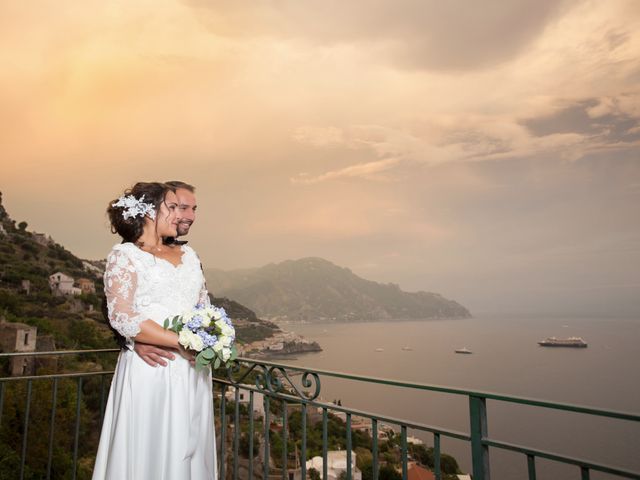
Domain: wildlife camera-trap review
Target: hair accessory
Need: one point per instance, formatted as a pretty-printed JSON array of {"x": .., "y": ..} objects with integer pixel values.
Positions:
[{"x": 134, "y": 207}]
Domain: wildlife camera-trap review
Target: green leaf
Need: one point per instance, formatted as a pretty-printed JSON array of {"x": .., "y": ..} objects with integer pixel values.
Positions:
[
  {"x": 208, "y": 353},
  {"x": 201, "y": 362},
  {"x": 166, "y": 323},
  {"x": 216, "y": 363}
]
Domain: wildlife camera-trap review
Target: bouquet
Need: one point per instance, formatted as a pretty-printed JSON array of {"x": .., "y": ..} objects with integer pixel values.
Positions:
[{"x": 208, "y": 331}]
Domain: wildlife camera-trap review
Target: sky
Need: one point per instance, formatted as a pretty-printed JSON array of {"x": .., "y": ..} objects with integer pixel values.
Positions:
[{"x": 487, "y": 151}]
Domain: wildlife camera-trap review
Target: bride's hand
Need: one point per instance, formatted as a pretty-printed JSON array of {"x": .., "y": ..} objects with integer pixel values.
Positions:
[{"x": 187, "y": 355}]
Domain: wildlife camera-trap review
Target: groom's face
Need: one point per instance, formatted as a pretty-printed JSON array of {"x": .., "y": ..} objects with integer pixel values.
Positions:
[{"x": 186, "y": 210}]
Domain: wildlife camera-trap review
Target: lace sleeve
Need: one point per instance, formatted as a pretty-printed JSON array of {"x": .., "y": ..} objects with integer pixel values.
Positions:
[
  {"x": 120, "y": 283},
  {"x": 204, "y": 299}
]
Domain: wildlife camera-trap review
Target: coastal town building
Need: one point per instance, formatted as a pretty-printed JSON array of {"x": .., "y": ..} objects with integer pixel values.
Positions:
[
  {"x": 86, "y": 285},
  {"x": 279, "y": 342},
  {"x": 25, "y": 286},
  {"x": 43, "y": 239},
  {"x": 18, "y": 337},
  {"x": 244, "y": 398},
  {"x": 62, "y": 284},
  {"x": 417, "y": 472},
  {"x": 89, "y": 267},
  {"x": 336, "y": 464},
  {"x": 361, "y": 424}
]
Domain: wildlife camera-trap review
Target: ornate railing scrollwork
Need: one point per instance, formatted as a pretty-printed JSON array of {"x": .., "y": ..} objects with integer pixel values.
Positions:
[{"x": 276, "y": 380}]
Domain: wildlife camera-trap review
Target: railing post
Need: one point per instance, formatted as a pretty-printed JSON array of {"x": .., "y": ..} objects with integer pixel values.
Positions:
[
  {"x": 436, "y": 456},
  {"x": 77, "y": 429},
  {"x": 236, "y": 432},
  {"x": 374, "y": 437},
  {"x": 479, "y": 451},
  {"x": 349, "y": 447},
  {"x": 223, "y": 430},
  {"x": 403, "y": 443},
  {"x": 285, "y": 440},
  {"x": 25, "y": 430},
  {"x": 267, "y": 424},
  {"x": 1, "y": 401},
  {"x": 303, "y": 453},
  {"x": 251, "y": 435},
  {"x": 325, "y": 422},
  {"x": 52, "y": 421},
  {"x": 531, "y": 467}
]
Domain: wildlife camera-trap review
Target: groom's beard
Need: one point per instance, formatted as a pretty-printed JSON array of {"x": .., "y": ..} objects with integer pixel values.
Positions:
[{"x": 183, "y": 227}]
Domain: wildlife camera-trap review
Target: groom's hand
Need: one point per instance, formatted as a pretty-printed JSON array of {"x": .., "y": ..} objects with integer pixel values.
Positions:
[{"x": 153, "y": 355}]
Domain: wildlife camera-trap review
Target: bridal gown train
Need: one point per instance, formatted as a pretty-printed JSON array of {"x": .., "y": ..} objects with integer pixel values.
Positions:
[{"x": 158, "y": 423}]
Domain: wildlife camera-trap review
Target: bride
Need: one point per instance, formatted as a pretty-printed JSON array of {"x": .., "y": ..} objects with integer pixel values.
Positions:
[{"x": 158, "y": 423}]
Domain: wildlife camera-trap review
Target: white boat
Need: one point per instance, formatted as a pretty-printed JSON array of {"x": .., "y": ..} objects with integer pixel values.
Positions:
[
  {"x": 407, "y": 349},
  {"x": 379, "y": 349},
  {"x": 463, "y": 350},
  {"x": 575, "y": 342}
]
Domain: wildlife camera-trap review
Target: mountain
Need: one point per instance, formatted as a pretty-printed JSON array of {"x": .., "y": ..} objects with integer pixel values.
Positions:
[{"x": 314, "y": 289}]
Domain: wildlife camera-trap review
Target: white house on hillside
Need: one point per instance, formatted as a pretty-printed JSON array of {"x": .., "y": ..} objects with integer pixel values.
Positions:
[
  {"x": 244, "y": 398},
  {"x": 336, "y": 464},
  {"x": 62, "y": 284}
]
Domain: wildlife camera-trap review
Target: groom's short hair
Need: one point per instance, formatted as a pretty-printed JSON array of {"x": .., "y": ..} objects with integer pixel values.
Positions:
[{"x": 176, "y": 184}]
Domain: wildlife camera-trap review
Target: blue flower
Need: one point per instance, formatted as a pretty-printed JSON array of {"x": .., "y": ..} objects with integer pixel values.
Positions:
[
  {"x": 194, "y": 323},
  {"x": 208, "y": 340}
]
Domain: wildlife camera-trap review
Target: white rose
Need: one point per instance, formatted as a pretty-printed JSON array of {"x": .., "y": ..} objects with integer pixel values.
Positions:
[
  {"x": 226, "y": 330},
  {"x": 188, "y": 339},
  {"x": 218, "y": 347},
  {"x": 206, "y": 321},
  {"x": 226, "y": 341},
  {"x": 184, "y": 338},
  {"x": 226, "y": 354},
  {"x": 217, "y": 314},
  {"x": 196, "y": 342}
]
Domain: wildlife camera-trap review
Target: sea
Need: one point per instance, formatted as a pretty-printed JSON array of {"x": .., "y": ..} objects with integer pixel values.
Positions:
[{"x": 506, "y": 359}]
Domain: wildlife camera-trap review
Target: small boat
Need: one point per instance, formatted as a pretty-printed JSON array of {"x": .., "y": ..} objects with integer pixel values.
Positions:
[
  {"x": 379, "y": 349},
  {"x": 463, "y": 350},
  {"x": 407, "y": 349}
]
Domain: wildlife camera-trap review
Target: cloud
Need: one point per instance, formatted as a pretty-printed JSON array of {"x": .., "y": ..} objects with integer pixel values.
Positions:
[
  {"x": 626, "y": 104},
  {"x": 368, "y": 170},
  {"x": 412, "y": 33},
  {"x": 461, "y": 140}
]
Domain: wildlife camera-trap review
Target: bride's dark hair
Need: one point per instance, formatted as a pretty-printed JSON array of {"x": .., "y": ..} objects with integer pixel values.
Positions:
[{"x": 130, "y": 229}]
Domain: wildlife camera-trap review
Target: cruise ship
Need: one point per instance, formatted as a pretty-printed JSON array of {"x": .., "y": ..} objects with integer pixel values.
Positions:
[{"x": 575, "y": 342}]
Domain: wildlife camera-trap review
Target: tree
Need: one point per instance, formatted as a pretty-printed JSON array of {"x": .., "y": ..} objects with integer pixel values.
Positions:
[
  {"x": 314, "y": 474},
  {"x": 387, "y": 472},
  {"x": 22, "y": 226},
  {"x": 449, "y": 464}
]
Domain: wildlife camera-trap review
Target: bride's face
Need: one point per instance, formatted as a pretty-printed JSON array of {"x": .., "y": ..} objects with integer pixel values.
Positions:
[{"x": 167, "y": 225}]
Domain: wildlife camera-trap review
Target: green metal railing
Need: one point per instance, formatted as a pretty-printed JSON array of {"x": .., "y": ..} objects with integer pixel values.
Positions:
[{"x": 283, "y": 389}]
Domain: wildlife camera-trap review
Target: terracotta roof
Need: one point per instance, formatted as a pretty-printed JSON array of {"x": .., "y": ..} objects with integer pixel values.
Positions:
[{"x": 417, "y": 472}]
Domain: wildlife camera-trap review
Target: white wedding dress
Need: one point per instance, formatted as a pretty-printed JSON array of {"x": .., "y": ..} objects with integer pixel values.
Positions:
[{"x": 158, "y": 423}]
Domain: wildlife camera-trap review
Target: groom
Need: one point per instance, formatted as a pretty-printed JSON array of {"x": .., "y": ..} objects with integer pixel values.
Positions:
[{"x": 151, "y": 354}]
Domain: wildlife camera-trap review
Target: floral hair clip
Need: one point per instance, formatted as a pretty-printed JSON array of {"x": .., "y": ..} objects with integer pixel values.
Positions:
[{"x": 133, "y": 207}]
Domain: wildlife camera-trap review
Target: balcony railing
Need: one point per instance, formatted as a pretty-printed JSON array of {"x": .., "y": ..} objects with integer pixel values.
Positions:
[{"x": 49, "y": 424}]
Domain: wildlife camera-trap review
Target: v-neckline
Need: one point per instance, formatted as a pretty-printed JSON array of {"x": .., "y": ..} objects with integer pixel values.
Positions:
[{"x": 174, "y": 265}]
